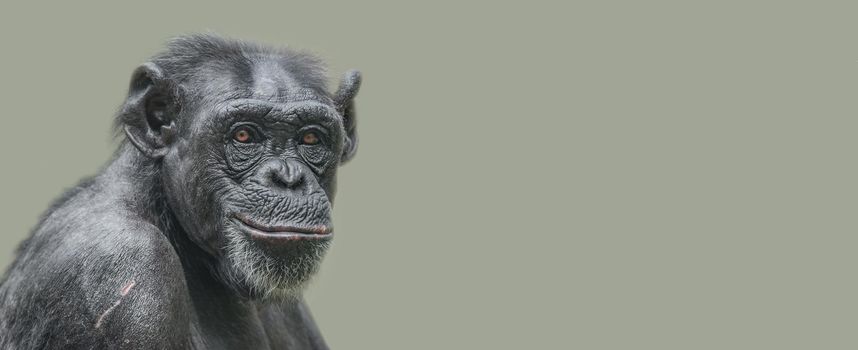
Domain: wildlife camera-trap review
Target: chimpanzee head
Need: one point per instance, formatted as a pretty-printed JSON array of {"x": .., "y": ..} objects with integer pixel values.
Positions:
[{"x": 247, "y": 141}]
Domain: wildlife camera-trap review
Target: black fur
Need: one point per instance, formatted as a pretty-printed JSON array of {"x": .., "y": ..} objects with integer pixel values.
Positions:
[{"x": 192, "y": 237}]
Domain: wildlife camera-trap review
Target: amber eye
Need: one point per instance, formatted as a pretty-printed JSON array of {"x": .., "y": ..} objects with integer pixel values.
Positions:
[
  {"x": 310, "y": 138},
  {"x": 242, "y": 135}
]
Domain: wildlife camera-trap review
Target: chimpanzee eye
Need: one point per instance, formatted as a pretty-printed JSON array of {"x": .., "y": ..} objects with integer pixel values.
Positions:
[
  {"x": 310, "y": 138},
  {"x": 243, "y": 134},
  {"x": 315, "y": 147}
]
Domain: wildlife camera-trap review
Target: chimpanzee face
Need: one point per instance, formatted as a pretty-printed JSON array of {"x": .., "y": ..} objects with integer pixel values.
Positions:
[{"x": 251, "y": 173}]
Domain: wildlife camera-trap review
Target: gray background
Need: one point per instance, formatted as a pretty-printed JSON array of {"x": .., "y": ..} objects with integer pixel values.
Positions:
[{"x": 603, "y": 175}]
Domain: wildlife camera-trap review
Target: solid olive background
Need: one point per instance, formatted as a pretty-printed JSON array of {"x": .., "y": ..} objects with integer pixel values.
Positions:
[{"x": 603, "y": 175}]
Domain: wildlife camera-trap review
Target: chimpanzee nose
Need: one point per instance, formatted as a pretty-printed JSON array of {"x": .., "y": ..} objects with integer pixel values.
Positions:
[{"x": 287, "y": 175}]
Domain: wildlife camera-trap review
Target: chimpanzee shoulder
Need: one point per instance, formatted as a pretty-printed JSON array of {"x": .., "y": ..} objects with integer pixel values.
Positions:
[{"x": 89, "y": 263}]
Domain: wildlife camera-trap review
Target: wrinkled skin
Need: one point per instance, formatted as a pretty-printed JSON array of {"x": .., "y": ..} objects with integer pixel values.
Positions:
[{"x": 209, "y": 222}]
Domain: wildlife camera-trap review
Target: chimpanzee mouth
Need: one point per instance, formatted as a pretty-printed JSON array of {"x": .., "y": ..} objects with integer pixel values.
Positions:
[{"x": 282, "y": 232}]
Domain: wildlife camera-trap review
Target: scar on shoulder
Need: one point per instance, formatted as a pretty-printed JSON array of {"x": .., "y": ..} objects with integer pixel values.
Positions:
[{"x": 122, "y": 293}]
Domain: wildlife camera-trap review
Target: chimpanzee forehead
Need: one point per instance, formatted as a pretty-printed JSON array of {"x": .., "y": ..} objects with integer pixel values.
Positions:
[{"x": 259, "y": 79}]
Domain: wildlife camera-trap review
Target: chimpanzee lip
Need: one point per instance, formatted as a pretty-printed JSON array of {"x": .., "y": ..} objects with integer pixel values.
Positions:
[{"x": 288, "y": 232}]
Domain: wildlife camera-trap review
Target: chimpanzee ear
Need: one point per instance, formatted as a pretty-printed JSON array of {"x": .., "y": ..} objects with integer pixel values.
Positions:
[
  {"x": 344, "y": 101},
  {"x": 148, "y": 116}
]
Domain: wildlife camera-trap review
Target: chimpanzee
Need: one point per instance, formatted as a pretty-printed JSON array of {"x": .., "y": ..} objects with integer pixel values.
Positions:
[{"x": 210, "y": 219}]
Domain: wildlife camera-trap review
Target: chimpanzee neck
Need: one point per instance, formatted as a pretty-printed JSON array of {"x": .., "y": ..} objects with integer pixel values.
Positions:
[
  {"x": 136, "y": 179},
  {"x": 141, "y": 187}
]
